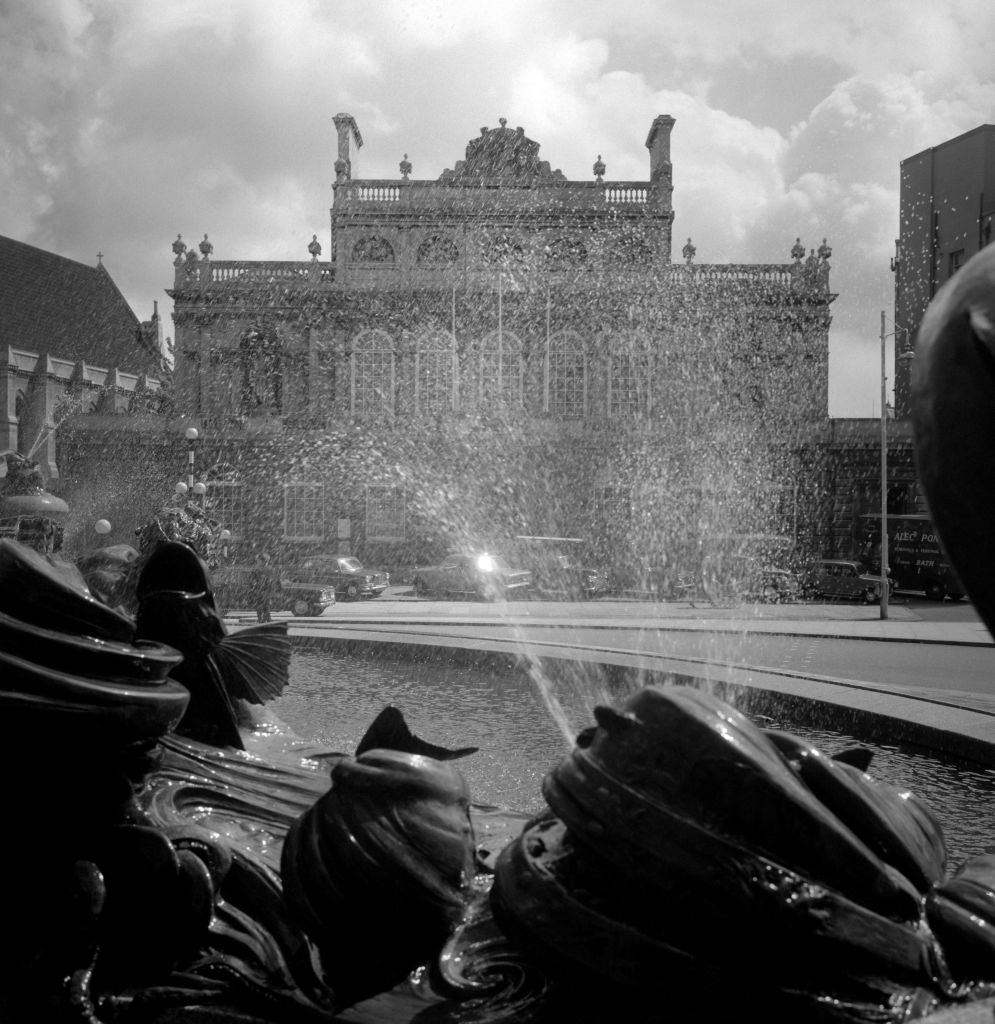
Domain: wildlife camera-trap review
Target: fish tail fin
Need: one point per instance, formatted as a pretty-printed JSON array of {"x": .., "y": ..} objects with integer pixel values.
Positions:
[
  {"x": 254, "y": 663},
  {"x": 390, "y": 731}
]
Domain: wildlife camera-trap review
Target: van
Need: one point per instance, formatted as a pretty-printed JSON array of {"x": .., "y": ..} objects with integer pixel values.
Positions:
[{"x": 916, "y": 560}]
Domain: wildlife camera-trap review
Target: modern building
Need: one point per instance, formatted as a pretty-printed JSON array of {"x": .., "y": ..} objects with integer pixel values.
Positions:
[
  {"x": 946, "y": 209},
  {"x": 501, "y": 350}
]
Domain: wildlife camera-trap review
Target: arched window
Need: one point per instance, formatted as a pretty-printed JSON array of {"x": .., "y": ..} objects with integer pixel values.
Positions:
[
  {"x": 631, "y": 249},
  {"x": 437, "y": 251},
  {"x": 629, "y": 392},
  {"x": 261, "y": 365},
  {"x": 497, "y": 370},
  {"x": 372, "y": 375},
  {"x": 566, "y": 376},
  {"x": 435, "y": 376},
  {"x": 566, "y": 252},
  {"x": 504, "y": 251},
  {"x": 373, "y": 250}
]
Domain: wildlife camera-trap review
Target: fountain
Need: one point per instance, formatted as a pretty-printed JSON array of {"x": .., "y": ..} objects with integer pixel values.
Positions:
[{"x": 159, "y": 878}]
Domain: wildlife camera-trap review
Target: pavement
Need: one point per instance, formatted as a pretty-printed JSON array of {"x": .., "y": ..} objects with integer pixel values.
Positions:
[{"x": 840, "y": 620}]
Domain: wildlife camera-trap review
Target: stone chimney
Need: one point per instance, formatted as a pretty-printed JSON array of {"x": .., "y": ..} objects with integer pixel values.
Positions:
[
  {"x": 348, "y": 131},
  {"x": 658, "y": 143}
]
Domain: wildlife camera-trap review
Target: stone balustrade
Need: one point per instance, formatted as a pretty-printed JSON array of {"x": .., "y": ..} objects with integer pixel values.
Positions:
[
  {"x": 246, "y": 276},
  {"x": 377, "y": 194}
]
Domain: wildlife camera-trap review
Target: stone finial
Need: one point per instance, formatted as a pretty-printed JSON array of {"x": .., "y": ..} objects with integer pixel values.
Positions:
[
  {"x": 405, "y": 167},
  {"x": 191, "y": 256},
  {"x": 599, "y": 168},
  {"x": 206, "y": 248},
  {"x": 503, "y": 121},
  {"x": 179, "y": 248},
  {"x": 100, "y": 259},
  {"x": 797, "y": 251},
  {"x": 825, "y": 251},
  {"x": 688, "y": 252},
  {"x": 314, "y": 247}
]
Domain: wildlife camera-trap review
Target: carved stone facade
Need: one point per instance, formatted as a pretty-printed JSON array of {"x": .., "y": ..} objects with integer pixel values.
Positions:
[{"x": 497, "y": 351}]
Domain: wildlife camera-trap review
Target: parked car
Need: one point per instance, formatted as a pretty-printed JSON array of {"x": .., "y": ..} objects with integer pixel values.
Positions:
[
  {"x": 343, "y": 575},
  {"x": 765, "y": 583},
  {"x": 236, "y": 587},
  {"x": 558, "y": 567},
  {"x": 841, "y": 578},
  {"x": 471, "y": 573},
  {"x": 303, "y": 597}
]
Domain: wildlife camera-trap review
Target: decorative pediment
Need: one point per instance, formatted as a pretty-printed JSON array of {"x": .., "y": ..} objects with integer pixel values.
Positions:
[{"x": 502, "y": 154}]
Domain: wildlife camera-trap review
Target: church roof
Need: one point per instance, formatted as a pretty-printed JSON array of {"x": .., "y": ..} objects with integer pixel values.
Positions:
[
  {"x": 52, "y": 304},
  {"x": 502, "y": 154}
]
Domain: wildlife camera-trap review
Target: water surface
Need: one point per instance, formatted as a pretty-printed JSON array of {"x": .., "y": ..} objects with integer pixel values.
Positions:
[{"x": 333, "y": 697}]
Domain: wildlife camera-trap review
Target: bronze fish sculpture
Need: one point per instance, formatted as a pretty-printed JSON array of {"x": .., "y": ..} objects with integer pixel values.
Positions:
[
  {"x": 953, "y": 416},
  {"x": 70, "y": 666},
  {"x": 222, "y": 671},
  {"x": 686, "y": 848},
  {"x": 376, "y": 871}
]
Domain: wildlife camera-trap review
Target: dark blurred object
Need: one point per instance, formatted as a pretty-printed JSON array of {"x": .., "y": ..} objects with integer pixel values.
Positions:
[
  {"x": 111, "y": 574},
  {"x": 28, "y": 513},
  {"x": 953, "y": 415}
]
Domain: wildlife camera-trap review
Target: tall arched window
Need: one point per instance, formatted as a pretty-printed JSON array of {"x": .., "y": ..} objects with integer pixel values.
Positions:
[
  {"x": 496, "y": 365},
  {"x": 629, "y": 392},
  {"x": 372, "y": 375},
  {"x": 225, "y": 498},
  {"x": 566, "y": 376},
  {"x": 435, "y": 376}
]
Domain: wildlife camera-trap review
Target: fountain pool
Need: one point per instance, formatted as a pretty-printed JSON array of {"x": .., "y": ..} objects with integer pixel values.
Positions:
[{"x": 333, "y": 697}]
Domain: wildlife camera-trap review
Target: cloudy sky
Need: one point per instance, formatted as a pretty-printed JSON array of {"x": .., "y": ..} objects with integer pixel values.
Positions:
[{"x": 125, "y": 122}]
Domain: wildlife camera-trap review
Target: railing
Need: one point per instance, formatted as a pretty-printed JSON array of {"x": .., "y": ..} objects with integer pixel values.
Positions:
[
  {"x": 246, "y": 275},
  {"x": 485, "y": 193},
  {"x": 203, "y": 273}
]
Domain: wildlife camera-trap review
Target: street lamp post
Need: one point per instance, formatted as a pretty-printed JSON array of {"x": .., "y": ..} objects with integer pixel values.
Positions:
[
  {"x": 884, "y": 479},
  {"x": 191, "y": 434}
]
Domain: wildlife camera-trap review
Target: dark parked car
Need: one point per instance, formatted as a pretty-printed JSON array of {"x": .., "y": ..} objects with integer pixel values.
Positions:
[
  {"x": 236, "y": 586},
  {"x": 841, "y": 578},
  {"x": 756, "y": 580},
  {"x": 344, "y": 575},
  {"x": 477, "y": 574},
  {"x": 558, "y": 567}
]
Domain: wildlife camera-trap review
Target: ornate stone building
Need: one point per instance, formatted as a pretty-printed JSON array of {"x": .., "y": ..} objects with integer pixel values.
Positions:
[{"x": 502, "y": 350}]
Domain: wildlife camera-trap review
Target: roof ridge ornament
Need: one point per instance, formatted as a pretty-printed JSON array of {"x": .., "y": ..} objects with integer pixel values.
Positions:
[{"x": 503, "y": 155}]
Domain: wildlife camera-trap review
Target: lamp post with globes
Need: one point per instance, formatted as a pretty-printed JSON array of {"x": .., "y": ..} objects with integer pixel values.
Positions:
[{"x": 191, "y": 434}]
